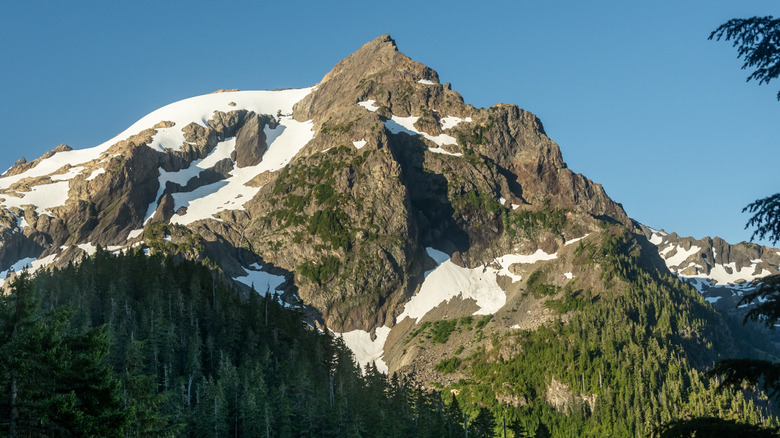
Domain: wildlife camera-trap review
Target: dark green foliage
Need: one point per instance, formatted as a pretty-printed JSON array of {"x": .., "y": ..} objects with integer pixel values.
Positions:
[
  {"x": 322, "y": 271},
  {"x": 637, "y": 352},
  {"x": 155, "y": 347},
  {"x": 448, "y": 366},
  {"x": 710, "y": 427},
  {"x": 536, "y": 285},
  {"x": 474, "y": 202},
  {"x": 736, "y": 372},
  {"x": 325, "y": 194},
  {"x": 54, "y": 375},
  {"x": 766, "y": 218},
  {"x": 483, "y": 424},
  {"x": 331, "y": 226},
  {"x": 336, "y": 128},
  {"x": 442, "y": 330},
  {"x": 570, "y": 301},
  {"x": 527, "y": 223},
  {"x": 758, "y": 42},
  {"x": 768, "y": 296},
  {"x": 483, "y": 321}
]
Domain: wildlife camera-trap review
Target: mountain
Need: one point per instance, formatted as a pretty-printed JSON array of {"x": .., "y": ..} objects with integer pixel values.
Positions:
[{"x": 408, "y": 222}]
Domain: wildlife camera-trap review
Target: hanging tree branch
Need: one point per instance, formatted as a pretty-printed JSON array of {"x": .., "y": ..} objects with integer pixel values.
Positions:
[{"x": 757, "y": 41}]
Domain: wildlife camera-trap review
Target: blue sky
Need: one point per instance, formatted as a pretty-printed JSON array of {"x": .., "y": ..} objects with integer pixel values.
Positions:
[{"x": 633, "y": 92}]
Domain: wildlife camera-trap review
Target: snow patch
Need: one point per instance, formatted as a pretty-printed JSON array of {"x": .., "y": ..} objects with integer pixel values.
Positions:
[
  {"x": 197, "y": 109},
  {"x": 69, "y": 175},
  {"x": 508, "y": 260},
  {"x": 18, "y": 266},
  {"x": 449, "y": 280},
  {"x": 262, "y": 281},
  {"x": 135, "y": 233},
  {"x": 680, "y": 256},
  {"x": 359, "y": 144},
  {"x": 406, "y": 125},
  {"x": 450, "y": 122},
  {"x": 284, "y": 142},
  {"x": 426, "y": 82},
  {"x": 366, "y": 350},
  {"x": 95, "y": 173},
  {"x": 369, "y": 105},
  {"x": 569, "y": 242},
  {"x": 43, "y": 197},
  {"x": 712, "y": 300},
  {"x": 89, "y": 248},
  {"x": 568, "y": 275}
]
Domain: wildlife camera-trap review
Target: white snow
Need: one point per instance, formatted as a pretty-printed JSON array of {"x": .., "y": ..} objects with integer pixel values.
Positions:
[
  {"x": 284, "y": 143},
  {"x": 69, "y": 175},
  {"x": 569, "y": 242},
  {"x": 502, "y": 201},
  {"x": 426, "y": 82},
  {"x": 449, "y": 280},
  {"x": 406, "y": 124},
  {"x": 263, "y": 282},
  {"x": 450, "y": 122},
  {"x": 680, "y": 256},
  {"x": 444, "y": 152},
  {"x": 508, "y": 260},
  {"x": 656, "y": 239},
  {"x": 135, "y": 233},
  {"x": 88, "y": 248},
  {"x": 200, "y": 109},
  {"x": 721, "y": 275},
  {"x": 568, "y": 275},
  {"x": 18, "y": 266},
  {"x": 369, "y": 105},
  {"x": 359, "y": 144},
  {"x": 95, "y": 173},
  {"x": 196, "y": 109},
  {"x": 40, "y": 263},
  {"x": 712, "y": 300},
  {"x": 43, "y": 197},
  {"x": 366, "y": 350}
]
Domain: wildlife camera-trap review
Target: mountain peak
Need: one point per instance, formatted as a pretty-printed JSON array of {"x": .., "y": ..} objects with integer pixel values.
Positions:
[{"x": 377, "y": 70}]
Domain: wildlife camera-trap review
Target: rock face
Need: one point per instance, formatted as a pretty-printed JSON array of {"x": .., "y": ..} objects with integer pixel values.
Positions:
[
  {"x": 344, "y": 198},
  {"x": 251, "y": 140}
]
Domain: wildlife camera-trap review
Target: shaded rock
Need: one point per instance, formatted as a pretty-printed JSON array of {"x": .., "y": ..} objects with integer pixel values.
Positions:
[
  {"x": 251, "y": 140},
  {"x": 226, "y": 124}
]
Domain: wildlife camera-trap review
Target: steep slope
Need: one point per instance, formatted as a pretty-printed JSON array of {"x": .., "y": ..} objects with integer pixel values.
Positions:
[
  {"x": 332, "y": 191},
  {"x": 409, "y": 222}
]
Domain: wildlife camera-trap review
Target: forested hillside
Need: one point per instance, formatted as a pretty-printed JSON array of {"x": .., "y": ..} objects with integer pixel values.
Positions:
[{"x": 136, "y": 345}]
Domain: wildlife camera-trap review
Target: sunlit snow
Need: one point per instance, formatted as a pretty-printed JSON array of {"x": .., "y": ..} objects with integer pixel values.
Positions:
[
  {"x": 449, "y": 280},
  {"x": 508, "y": 260},
  {"x": 359, "y": 144},
  {"x": 95, "y": 173},
  {"x": 449, "y": 122},
  {"x": 680, "y": 256},
  {"x": 283, "y": 143},
  {"x": 369, "y": 105},
  {"x": 366, "y": 350},
  {"x": 43, "y": 197}
]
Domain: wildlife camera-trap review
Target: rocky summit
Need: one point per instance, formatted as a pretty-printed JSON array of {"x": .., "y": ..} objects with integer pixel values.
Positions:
[{"x": 376, "y": 200}]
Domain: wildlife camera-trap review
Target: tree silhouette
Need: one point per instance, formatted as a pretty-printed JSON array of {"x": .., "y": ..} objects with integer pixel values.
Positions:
[{"x": 757, "y": 41}]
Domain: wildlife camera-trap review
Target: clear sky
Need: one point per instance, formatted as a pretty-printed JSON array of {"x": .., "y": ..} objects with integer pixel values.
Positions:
[{"x": 633, "y": 92}]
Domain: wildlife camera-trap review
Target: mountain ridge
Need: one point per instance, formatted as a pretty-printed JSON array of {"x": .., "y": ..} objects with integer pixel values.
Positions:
[{"x": 343, "y": 195}]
